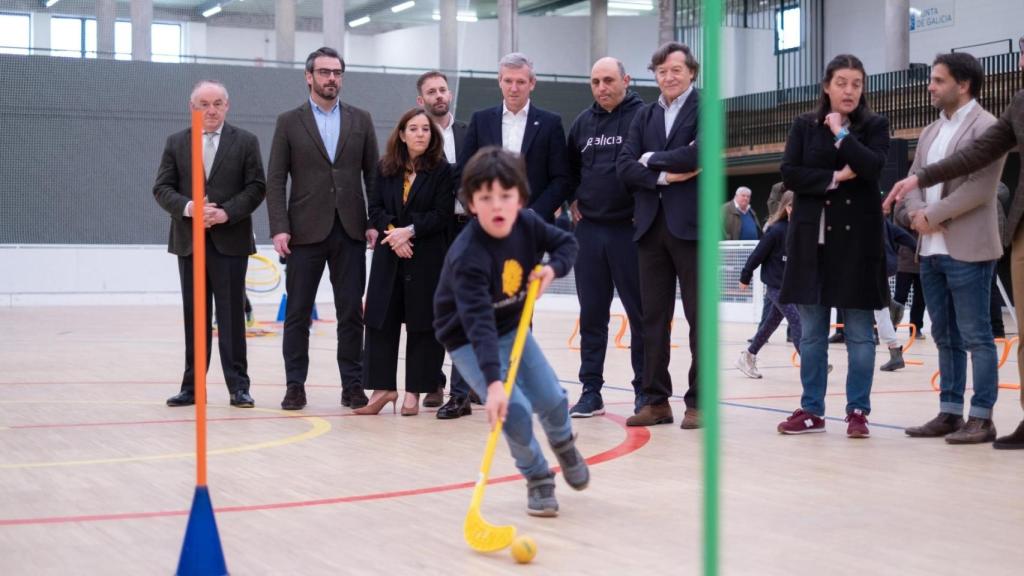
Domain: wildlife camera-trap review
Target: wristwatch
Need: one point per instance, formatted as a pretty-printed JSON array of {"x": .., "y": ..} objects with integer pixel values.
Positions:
[
  {"x": 843, "y": 133},
  {"x": 412, "y": 229}
]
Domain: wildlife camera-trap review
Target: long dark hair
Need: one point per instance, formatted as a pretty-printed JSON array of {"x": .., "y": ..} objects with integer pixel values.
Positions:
[
  {"x": 844, "y": 62},
  {"x": 396, "y": 157}
]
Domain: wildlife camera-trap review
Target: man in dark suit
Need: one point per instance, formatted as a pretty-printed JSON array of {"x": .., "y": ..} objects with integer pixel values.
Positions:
[
  {"x": 659, "y": 162},
  {"x": 330, "y": 152},
  {"x": 521, "y": 127},
  {"x": 434, "y": 96},
  {"x": 235, "y": 186}
]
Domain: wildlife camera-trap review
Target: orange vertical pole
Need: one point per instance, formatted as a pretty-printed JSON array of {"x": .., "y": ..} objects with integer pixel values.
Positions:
[{"x": 199, "y": 292}]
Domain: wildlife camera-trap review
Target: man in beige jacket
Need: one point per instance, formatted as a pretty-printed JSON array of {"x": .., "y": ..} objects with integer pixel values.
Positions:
[
  {"x": 958, "y": 247},
  {"x": 999, "y": 139}
]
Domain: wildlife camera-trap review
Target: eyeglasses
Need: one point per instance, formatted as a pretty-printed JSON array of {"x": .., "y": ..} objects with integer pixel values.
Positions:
[
  {"x": 216, "y": 105},
  {"x": 327, "y": 72}
]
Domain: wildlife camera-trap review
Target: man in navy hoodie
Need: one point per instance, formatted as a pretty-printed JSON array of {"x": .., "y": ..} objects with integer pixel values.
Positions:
[{"x": 603, "y": 210}]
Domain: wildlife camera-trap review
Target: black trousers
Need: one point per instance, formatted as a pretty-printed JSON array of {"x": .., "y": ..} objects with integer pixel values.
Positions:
[
  {"x": 225, "y": 286},
  {"x": 904, "y": 282},
  {"x": 665, "y": 260},
  {"x": 424, "y": 355},
  {"x": 607, "y": 261},
  {"x": 346, "y": 260}
]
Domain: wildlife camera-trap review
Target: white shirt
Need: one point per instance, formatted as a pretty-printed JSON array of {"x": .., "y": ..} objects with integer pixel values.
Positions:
[
  {"x": 207, "y": 141},
  {"x": 513, "y": 127},
  {"x": 935, "y": 244},
  {"x": 449, "y": 140}
]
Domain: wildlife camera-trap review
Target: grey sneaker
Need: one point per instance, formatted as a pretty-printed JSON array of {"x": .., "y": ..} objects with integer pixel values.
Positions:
[
  {"x": 574, "y": 466},
  {"x": 540, "y": 496},
  {"x": 747, "y": 363}
]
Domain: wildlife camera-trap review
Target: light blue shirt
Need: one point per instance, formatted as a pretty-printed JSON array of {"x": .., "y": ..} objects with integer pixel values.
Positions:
[
  {"x": 672, "y": 110},
  {"x": 329, "y": 125}
]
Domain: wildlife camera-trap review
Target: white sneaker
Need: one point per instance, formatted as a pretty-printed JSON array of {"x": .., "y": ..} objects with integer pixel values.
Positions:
[{"x": 747, "y": 363}]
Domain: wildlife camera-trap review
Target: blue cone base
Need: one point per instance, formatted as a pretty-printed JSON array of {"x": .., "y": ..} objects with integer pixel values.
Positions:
[{"x": 201, "y": 554}]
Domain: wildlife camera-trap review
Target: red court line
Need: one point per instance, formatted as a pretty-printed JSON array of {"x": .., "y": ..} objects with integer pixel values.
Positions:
[
  {"x": 143, "y": 382},
  {"x": 636, "y": 438}
]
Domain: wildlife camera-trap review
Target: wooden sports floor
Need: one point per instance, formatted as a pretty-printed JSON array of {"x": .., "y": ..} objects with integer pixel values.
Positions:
[{"x": 97, "y": 474}]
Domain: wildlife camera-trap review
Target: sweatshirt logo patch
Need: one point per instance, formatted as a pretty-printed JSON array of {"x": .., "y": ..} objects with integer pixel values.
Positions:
[{"x": 511, "y": 277}]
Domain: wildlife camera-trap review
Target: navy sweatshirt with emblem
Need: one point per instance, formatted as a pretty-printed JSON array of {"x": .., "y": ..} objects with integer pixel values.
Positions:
[
  {"x": 483, "y": 284},
  {"x": 595, "y": 139}
]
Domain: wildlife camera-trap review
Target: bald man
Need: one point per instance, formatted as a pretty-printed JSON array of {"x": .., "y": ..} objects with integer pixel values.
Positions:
[{"x": 603, "y": 210}]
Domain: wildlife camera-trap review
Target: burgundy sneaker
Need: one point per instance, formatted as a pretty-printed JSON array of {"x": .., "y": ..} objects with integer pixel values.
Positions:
[
  {"x": 857, "y": 425},
  {"x": 801, "y": 422}
]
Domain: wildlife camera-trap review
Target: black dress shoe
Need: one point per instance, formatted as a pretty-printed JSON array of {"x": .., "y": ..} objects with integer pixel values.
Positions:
[
  {"x": 455, "y": 407},
  {"x": 294, "y": 398},
  {"x": 1013, "y": 441},
  {"x": 434, "y": 399},
  {"x": 182, "y": 399},
  {"x": 837, "y": 338},
  {"x": 242, "y": 399},
  {"x": 354, "y": 398}
]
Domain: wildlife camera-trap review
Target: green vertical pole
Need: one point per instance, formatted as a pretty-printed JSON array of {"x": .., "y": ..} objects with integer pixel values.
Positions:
[{"x": 711, "y": 190}]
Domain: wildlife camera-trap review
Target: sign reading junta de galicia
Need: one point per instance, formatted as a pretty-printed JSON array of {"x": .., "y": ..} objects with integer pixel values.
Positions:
[{"x": 931, "y": 14}]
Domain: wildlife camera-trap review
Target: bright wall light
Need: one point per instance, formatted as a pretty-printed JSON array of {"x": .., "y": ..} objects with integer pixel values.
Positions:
[
  {"x": 215, "y": 9},
  {"x": 403, "y": 6},
  {"x": 51, "y": 2},
  {"x": 359, "y": 21},
  {"x": 460, "y": 16},
  {"x": 640, "y": 6}
]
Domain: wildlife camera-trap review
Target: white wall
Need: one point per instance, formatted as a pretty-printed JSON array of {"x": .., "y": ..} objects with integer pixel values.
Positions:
[
  {"x": 974, "y": 22},
  {"x": 742, "y": 48},
  {"x": 557, "y": 45}
]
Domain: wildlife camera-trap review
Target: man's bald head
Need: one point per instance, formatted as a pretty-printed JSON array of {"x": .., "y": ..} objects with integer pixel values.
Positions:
[{"x": 609, "y": 82}]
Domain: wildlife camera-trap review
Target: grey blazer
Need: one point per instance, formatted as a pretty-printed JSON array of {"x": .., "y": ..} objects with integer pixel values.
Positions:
[
  {"x": 967, "y": 210},
  {"x": 320, "y": 189}
]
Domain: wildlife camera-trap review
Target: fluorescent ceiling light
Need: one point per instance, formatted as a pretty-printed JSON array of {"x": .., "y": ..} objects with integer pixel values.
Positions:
[
  {"x": 460, "y": 17},
  {"x": 403, "y": 6},
  {"x": 51, "y": 2},
  {"x": 359, "y": 21},
  {"x": 215, "y": 9},
  {"x": 641, "y": 6}
]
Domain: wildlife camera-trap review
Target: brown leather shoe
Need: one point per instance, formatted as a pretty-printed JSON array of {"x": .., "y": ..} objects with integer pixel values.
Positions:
[
  {"x": 691, "y": 419},
  {"x": 651, "y": 414},
  {"x": 434, "y": 399},
  {"x": 1014, "y": 441},
  {"x": 941, "y": 425},
  {"x": 975, "y": 431}
]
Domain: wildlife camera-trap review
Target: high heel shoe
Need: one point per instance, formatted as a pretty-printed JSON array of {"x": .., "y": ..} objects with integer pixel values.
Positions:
[
  {"x": 377, "y": 404},
  {"x": 414, "y": 409}
]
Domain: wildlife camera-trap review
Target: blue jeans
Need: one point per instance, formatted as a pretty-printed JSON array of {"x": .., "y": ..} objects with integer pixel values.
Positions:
[
  {"x": 770, "y": 322},
  {"x": 536, "y": 391},
  {"x": 860, "y": 352},
  {"x": 957, "y": 296}
]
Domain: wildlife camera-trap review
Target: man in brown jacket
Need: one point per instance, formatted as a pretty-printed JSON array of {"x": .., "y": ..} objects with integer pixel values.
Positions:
[
  {"x": 958, "y": 246},
  {"x": 988, "y": 148},
  {"x": 330, "y": 152}
]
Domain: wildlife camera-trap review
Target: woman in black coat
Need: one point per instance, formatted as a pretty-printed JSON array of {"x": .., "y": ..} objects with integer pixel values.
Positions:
[
  {"x": 410, "y": 207},
  {"x": 835, "y": 256}
]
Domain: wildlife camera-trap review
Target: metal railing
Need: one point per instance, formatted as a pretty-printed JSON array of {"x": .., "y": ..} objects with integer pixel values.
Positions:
[
  {"x": 901, "y": 96},
  {"x": 298, "y": 65}
]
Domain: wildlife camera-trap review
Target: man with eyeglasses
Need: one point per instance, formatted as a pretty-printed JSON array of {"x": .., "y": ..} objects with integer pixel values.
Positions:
[
  {"x": 989, "y": 147},
  {"x": 235, "y": 187},
  {"x": 329, "y": 150}
]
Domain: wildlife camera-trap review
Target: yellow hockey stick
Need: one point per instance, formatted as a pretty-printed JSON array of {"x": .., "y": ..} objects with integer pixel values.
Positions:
[{"x": 480, "y": 534}]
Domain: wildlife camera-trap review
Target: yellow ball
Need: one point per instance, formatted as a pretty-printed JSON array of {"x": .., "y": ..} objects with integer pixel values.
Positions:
[{"x": 524, "y": 549}]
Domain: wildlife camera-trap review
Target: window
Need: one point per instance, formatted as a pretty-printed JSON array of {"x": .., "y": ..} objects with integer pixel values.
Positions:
[
  {"x": 166, "y": 43},
  {"x": 77, "y": 37},
  {"x": 787, "y": 28},
  {"x": 66, "y": 37},
  {"x": 14, "y": 31}
]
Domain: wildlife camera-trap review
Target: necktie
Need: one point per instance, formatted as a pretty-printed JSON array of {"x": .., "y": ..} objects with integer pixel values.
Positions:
[{"x": 209, "y": 151}]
